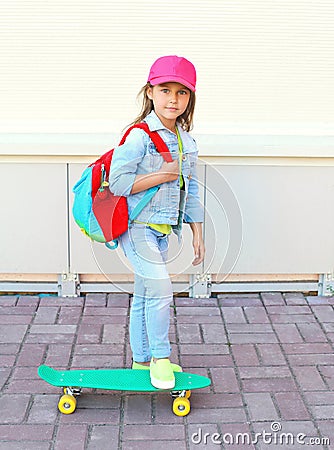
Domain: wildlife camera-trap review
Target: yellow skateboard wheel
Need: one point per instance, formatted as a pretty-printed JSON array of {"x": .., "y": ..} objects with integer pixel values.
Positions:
[
  {"x": 188, "y": 394},
  {"x": 67, "y": 404},
  {"x": 181, "y": 406}
]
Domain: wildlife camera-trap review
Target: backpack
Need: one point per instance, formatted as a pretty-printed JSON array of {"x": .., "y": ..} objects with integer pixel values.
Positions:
[{"x": 100, "y": 214}]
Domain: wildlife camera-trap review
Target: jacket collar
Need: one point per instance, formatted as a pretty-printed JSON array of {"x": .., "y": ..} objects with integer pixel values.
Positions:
[{"x": 154, "y": 122}]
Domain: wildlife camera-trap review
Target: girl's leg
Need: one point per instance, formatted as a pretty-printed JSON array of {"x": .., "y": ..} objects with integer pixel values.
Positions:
[{"x": 149, "y": 317}]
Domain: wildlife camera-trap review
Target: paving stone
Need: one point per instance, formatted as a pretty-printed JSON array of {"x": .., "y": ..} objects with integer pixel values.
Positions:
[
  {"x": 46, "y": 315},
  {"x": 261, "y": 406},
  {"x": 245, "y": 354},
  {"x": 171, "y": 444},
  {"x": 99, "y": 349},
  {"x": 309, "y": 378},
  {"x": 7, "y": 360},
  {"x": 204, "y": 349},
  {"x": 198, "y": 311},
  {"x": 9, "y": 349},
  {"x": 319, "y": 397},
  {"x": 256, "y": 314},
  {"x": 189, "y": 333},
  {"x": 58, "y": 355},
  {"x": 291, "y": 310},
  {"x": 206, "y": 361},
  {"x": 98, "y": 361},
  {"x": 199, "y": 319},
  {"x": 217, "y": 415},
  {"x": 26, "y": 433},
  {"x": 324, "y": 313},
  {"x": 72, "y": 437},
  {"x": 69, "y": 315},
  {"x": 62, "y": 301},
  {"x": 31, "y": 355},
  {"x": 264, "y": 372},
  {"x": 44, "y": 409},
  {"x": 6, "y": 319},
  {"x": 189, "y": 301},
  {"x": 207, "y": 400},
  {"x": 234, "y": 315},
  {"x": 13, "y": 408},
  {"x": 309, "y": 348},
  {"x": 50, "y": 338},
  {"x": 96, "y": 300},
  {"x": 224, "y": 380},
  {"x": 153, "y": 432},
  {"x": 138, "y": 409},
  {"x": 25, "y": 445},
  {"x": 291, "y": 406},
  {"x": 118, "y": 300},
  {"x": 239, "y": 301},
  {"x": 327, "y": 373},
  {"x": 249, "y": 328},
  {"x": 104, "y": 437},
  {"x": 89, "y": 416},
  {"x": 309, "y": 359},
  {"x": 294, "y": 299},
  {"x": 28, "y": 300},
  {"x": 95, "y": 311},
  {"x": 293, "y": 318},
  {"x": 18, "y": 310},
  {"x": 271, "y": 354},
  {"x": 319, "y": 300},
  {"x": 311, "y": 332},
  {"x": 252, "y": 338},
  {"x": 4, "y": 374},
  {"x": 269, "y": 385},
  {"x": 53, "y": 329},
  {"x": 287, "y": 333},
  {"x": 12, "y": 334},
  {"x": 272, "y": 298},
  {"x": 113, "y": 334},
  {"x": 8, "y": 300},
  {"x": 214, "y": 333},
  {"x": 90, "y": 334}
]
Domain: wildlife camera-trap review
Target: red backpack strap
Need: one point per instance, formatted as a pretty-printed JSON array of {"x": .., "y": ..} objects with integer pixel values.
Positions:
[{"x": 155, "y": 138}]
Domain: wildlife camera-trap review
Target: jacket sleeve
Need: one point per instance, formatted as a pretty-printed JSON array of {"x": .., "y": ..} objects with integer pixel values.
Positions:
[
  {"x": 123, "y": 168},
  {"x": 194, "y": 210}
]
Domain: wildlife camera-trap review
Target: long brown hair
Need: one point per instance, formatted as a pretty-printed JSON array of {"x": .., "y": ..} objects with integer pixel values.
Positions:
[{"x": 185, "y": 120}]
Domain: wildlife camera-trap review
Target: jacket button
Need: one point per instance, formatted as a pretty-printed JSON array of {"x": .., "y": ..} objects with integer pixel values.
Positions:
[
  {"x": 189, "y": 177},
  {"x": 184, "y": 158}
]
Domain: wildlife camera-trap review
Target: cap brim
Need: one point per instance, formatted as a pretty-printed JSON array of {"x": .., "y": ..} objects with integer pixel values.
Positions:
[{"x": 172, "y": 78}]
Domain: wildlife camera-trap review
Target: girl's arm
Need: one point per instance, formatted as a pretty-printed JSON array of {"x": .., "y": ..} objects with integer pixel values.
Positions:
[
  {"x": 167, "y": 172},
  {"x": 198, "y": 243}
]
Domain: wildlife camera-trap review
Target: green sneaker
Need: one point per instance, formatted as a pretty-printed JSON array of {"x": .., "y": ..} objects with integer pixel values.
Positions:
[
  {"x": 175, "y": 367},
  {"x": 161, "y": 374}
]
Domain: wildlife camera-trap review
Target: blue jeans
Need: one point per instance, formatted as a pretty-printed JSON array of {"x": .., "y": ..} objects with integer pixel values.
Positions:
[{"x": 147, "y": 251}]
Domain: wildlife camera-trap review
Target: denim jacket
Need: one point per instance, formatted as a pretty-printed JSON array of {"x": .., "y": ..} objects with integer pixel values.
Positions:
[{"x": 138, "y": 155}]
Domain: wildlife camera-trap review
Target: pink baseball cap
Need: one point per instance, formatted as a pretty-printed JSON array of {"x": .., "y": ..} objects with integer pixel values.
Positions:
[{"x": 173, "y": 68}]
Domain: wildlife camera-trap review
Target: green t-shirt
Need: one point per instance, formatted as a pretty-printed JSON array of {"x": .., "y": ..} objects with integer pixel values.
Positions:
[{"x": 165, "y": 228}]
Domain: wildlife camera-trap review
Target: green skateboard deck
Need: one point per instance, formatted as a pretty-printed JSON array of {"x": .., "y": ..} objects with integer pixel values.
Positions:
[{"x": 119, "y": 380}]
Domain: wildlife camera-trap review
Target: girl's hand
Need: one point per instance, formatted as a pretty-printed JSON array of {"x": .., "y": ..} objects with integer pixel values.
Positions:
[
  {"x": 170, "y": 170},
  {"x": 199, "y": 250},
  {"x": 198, "y": 243}
]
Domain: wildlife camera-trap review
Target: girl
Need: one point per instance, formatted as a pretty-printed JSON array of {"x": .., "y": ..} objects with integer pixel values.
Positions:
[{"x": 168, "y": 107}]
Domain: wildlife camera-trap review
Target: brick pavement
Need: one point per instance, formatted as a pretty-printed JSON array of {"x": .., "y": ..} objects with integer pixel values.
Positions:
[{"x": 270, "y": 357}]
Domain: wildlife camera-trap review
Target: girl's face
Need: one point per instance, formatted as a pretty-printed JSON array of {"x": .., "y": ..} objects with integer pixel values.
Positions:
[{"x": 170, "y": 100}]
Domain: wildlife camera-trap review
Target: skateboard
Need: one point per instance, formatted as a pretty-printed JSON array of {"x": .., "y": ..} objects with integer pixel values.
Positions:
[{"x": 72, "y": 382}]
